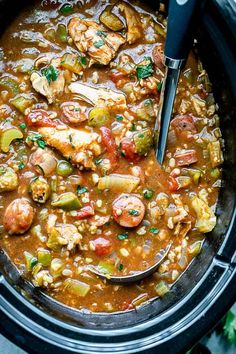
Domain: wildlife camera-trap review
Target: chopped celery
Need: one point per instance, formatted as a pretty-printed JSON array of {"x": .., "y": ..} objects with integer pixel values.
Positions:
[
  {"x": 99, "y": 117},
  {"x": 30, "y": 261},
  {"x": 111, "y": 21},
  {"x": 7, "y": 136},
  {"x": 8, "y": 179},
  {"x": 21, "y": 102},
  {"x": 72, "y": 62},
  {"x": 146, "y": 111},
  {"x": 143, "y": 141},
  {"x": 183, "y": 181},
  {"x": 44, "y": 257},
  {"x": 119, "y": 183},
  {"x": 7, "y": 83},
  {"x": 56, "y": 267},
  {"x": 161, "y": 288},
  {"x": 36, "y": 231},
  {"x": 53, "y": 239},
  {"x": 54, "y": 184},
  {"x": 159, "y": 29},
  {"x": 195, "y": 248},
  {"x": 215, "y": 173},
  {"x": 140, "y": 299},
  {"x": 215, "y": 152},
  {"x": 188, "y": 74},
  {"x": 61, "y": 32},
  {"x": 67, "y": 201},
  {"x": 76, "y": 287},
  {"x": 206, "y": 219},
  {"x": 105, "y": 267}
]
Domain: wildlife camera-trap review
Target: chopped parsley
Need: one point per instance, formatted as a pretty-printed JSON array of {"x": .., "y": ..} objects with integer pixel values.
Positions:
[
  {"x": 36, "y": 137},
  {"x": 148, "y": 193},
  {"x": 121, "y": 267},
  {"x": 21, "y": 166},
  {"x": 101, "y": 33},
  {"x": 145, "y": 69},
  {"x": 133, "y": 128},
  {"x": 50, "y": 73},
  {"x": 66, "y": 9},
  {"x": 41, "y": 143},
  {"x": 133, "y": 212},
  {"x": 22, "y": 126},
  {"x": 154, "y": 230},
  {"x": 122, "y": 237},
  {"x": 82, "y": 190},
  {"x": 83, "y": 60},
  {"x": 119, "y": 118},
  {"x": 98, "y": 44},
  {"x": 159, "y": 86},
  {"x": 98, "y": 161}
]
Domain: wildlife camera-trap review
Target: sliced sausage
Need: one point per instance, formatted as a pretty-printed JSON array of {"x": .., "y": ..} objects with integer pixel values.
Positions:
[
  {"x": 18, "y": 216},
  {"x": 184, "y": 122},
  {"x": 102, "y": 246},
  {"x": 72, "y": 113},
  {"x": 186, "y": 158},
  {"x": 40, "y": 118},
  {"x": 128, "y": 210}
]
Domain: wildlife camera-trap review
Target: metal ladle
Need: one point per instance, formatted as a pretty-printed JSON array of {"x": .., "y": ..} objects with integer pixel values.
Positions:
[
  {"x": 181, "y": 14},
  {"x": 135, "y": 276}
]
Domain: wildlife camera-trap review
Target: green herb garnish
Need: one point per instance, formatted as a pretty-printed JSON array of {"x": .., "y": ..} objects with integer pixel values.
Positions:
[
  {"x": 133, "y": 212},
  {"x": 50, "y": 73},
  {"x": 121, "y": 267},
  {"x": 154, "y": 230},
  {"x": 22, "y": 126},
  {"x": 82, "y": 190},
  {"x": 101, "y": 33},
  {"x": 21, "y": 166},
  {"x": 66, "y": 9},
  {"x": 83, "y": 60},
  {"x": 119, "y": 117},
  {"x": 98, "y": 161},
  {"x": 41, "y": 143},
  {"x": 159, "y": 86},
  {"x": 145, "y": 69},
  {"x": 122, "y": 237},
  {"x": 98, "y": 44},
  {"x": 148, "y": 193}
]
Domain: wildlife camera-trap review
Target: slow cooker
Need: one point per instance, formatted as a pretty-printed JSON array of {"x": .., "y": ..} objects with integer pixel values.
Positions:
[{"x": 205, "y": 291}]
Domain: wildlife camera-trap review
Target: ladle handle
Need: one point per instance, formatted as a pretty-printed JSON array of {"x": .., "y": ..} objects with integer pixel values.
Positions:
[{"x": 182, "y": 16}]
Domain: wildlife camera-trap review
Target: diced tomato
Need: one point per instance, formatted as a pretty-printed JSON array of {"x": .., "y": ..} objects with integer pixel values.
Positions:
[
  {"x": 128, "y": 150},
  {"x": 85, "y": 213},
  {"x": 102, "y": 246},
  {"x": 184, "y": 123},
  {"x": 38, "y": 118},
  {"x": 110, "y": 145},
  {"x": 186, "y": 158},
  {"x": 173, "y": 184}
]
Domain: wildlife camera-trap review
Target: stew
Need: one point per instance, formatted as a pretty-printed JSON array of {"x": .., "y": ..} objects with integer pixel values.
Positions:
[{"x": 80, "y": 186}]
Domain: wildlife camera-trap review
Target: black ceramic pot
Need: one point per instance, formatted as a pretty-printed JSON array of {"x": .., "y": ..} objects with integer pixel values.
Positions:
[{"x": 200, "y": 297}]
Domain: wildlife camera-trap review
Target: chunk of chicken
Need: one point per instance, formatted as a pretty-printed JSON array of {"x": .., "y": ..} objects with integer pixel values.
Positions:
[
  {"x": 79, "y": 146},
  {"x": 100, "y": 97},
  {"x": 90, "y": 38},
  {"x": 206, "y": 219},
  {"x": 63, "y": 235},
  {"x": 135, "y": 29},
  {"x": 50, "y": 90}
]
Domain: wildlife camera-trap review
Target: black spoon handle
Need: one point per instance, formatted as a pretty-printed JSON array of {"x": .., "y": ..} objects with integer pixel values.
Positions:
[{"x": 181, "y": 19}]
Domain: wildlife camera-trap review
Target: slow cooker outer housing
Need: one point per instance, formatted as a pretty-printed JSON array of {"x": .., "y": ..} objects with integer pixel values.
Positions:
[{"x": 204, "y": 292}]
